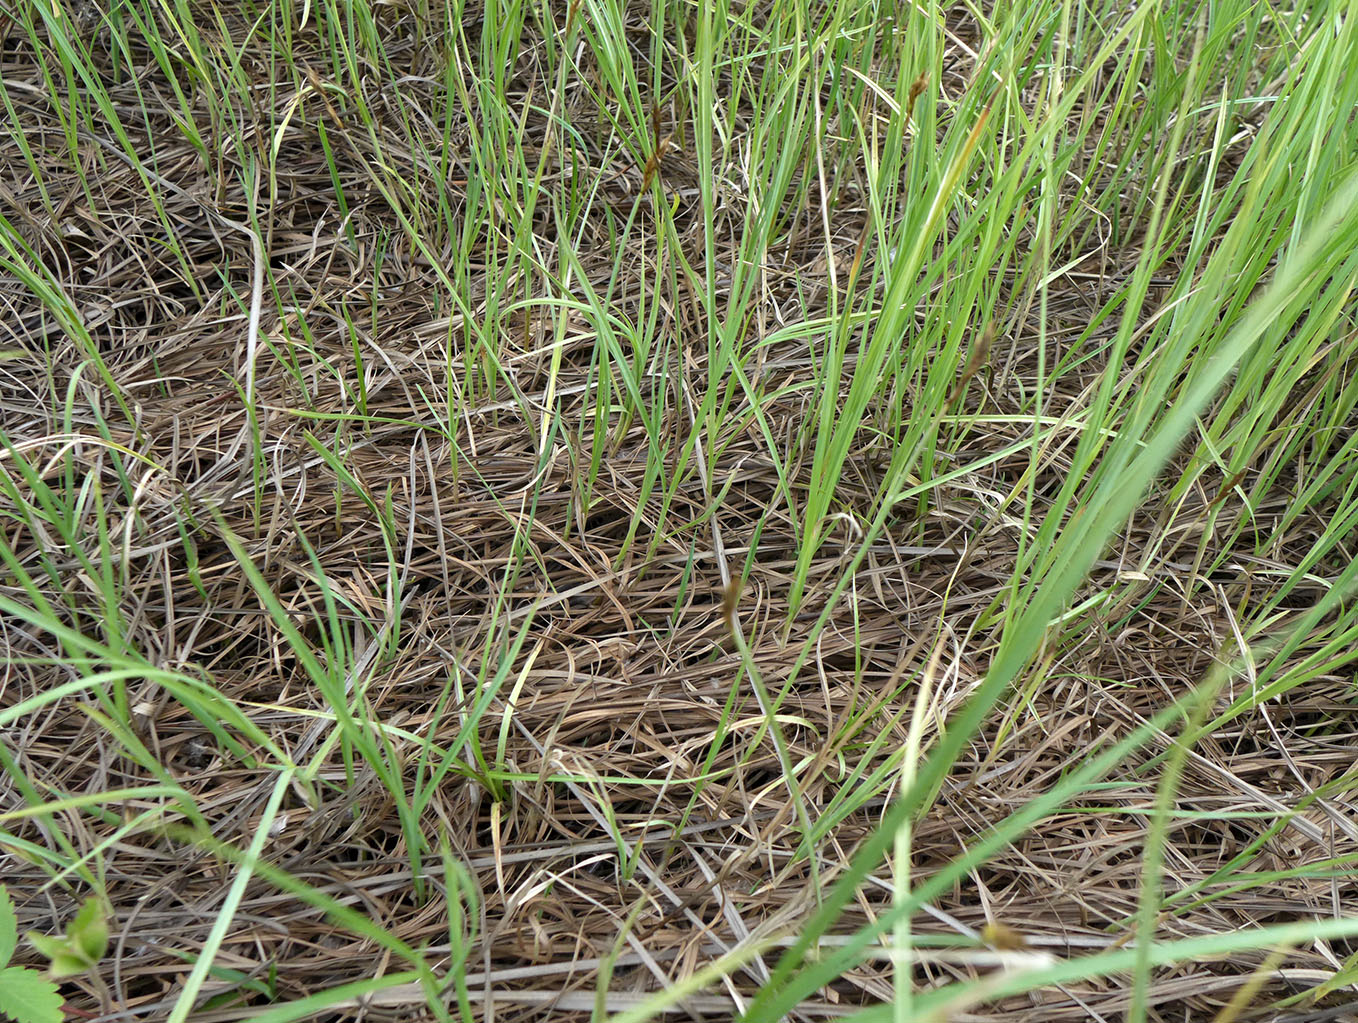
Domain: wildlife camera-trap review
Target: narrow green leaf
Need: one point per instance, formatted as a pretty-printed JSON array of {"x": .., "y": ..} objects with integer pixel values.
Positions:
[{"x": 9, "y": 927}]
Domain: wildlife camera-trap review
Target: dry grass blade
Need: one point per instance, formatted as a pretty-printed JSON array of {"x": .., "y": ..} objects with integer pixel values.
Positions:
[{"x": 424, "y": 463}]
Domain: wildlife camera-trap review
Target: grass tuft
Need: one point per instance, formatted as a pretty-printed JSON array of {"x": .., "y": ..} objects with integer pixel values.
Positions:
[{"x": 763, "y": 511}]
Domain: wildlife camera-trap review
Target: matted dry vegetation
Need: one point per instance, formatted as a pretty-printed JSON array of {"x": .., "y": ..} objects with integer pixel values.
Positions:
[{"x": 634, "y": 815}]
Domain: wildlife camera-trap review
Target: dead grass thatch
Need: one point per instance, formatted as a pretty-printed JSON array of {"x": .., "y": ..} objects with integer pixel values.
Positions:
[{"x": 627, "y": 667}]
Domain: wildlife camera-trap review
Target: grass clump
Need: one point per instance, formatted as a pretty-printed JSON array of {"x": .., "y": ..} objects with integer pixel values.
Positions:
[{"x": 773, "y": 510}]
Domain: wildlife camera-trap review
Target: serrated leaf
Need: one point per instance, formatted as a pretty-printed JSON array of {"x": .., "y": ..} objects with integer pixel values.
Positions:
[
  {"x": 9, "y": 927},
  {"x": 26, "y": 996},
  {"x": 88, "y": 932}
]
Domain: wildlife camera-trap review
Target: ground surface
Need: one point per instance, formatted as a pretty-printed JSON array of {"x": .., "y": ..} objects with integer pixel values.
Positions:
[{"x": 466, "y": 467}]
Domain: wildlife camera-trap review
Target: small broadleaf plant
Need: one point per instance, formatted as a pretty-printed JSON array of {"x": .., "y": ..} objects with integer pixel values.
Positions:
[
  {"x": 81, "y": 947},
  {"x": 26, "y": 996}
]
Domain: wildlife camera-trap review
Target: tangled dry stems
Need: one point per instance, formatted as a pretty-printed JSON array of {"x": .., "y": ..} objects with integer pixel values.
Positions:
[{"x": 631, "y": 667}]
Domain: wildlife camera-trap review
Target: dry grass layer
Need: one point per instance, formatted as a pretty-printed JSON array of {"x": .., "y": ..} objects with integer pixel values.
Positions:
[{"x": 386, "y": 458}]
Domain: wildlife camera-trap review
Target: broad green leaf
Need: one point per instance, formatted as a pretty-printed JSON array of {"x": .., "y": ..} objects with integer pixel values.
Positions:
[
  {"x": 26, "y": 996},
  {"x": 63, "y": 960},
  {"x": 88, "y": 932}
]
